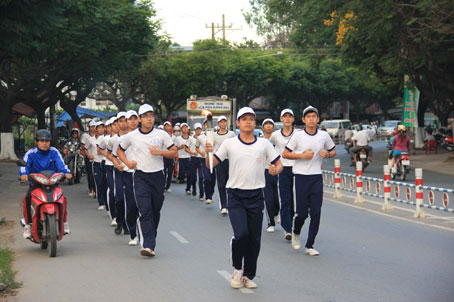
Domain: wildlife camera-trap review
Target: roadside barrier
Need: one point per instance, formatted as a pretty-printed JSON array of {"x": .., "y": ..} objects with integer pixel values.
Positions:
[{"x": 387, "y": 189}]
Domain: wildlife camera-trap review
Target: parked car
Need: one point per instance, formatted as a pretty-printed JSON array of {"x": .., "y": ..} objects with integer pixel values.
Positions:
[
  {"x": 369, "y": 130},
  {"x": 336, "y": 127},
  {"x": 388, "y": 127}
]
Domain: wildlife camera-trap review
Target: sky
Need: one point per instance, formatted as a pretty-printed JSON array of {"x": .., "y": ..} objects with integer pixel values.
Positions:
[{"x": 185, "y": 20}]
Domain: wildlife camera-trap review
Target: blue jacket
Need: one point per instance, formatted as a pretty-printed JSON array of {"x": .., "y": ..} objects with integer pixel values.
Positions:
[{"x": 38, "y": 161}]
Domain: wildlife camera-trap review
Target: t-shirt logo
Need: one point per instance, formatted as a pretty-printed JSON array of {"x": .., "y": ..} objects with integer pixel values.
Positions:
[
  {"x": 155, "y": 142},
  {"x": 259, "y": 157}
]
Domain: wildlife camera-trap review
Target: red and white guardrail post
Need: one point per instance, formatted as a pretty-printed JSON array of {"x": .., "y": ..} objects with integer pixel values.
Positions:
[
  {"x": 419, "y": 213},
  {"x": 386, "y": 188},
  {"x": 337, "y": 179},
  {"x": 359, "y": 182}
]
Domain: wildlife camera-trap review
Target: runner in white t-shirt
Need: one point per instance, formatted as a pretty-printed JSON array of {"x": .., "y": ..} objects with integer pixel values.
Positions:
[
  {"x": 89, "y": 163},
  {"x": 308, "y": 148},
  {"x": 168, "y": 162},
  {"x": 149, "y": 145},
  {"x": 209, "y": 179},
  {"x": 194, "y": 163},
  {"x": 183, "y": 157},
  {"x": 248, "y": 157}
]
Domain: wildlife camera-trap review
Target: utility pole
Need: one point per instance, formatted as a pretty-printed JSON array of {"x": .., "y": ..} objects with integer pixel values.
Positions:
[{"x": 218, "y": 28}]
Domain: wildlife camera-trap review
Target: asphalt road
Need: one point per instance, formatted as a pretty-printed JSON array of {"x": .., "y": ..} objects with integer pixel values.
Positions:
[{"x": 364, "y": 257}]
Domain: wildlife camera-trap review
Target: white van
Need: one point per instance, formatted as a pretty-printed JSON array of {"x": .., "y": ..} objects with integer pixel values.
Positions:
[{"x": 336, "y": 127}]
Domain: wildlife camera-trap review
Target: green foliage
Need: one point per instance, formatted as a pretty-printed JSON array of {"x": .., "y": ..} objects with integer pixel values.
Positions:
[{"x": 7, "y": 274}]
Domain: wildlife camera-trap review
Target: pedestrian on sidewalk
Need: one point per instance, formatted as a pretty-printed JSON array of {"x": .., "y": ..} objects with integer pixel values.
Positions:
[
  {"x": 149, "y": 145},
  {"x": 308, "y": 148},
  {"x": 248, "y": 156}
]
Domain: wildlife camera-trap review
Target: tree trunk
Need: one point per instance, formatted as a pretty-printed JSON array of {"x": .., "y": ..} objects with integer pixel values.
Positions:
[
  {"x": 6, "y": 130},
  {"x": 41, "y": 117}
]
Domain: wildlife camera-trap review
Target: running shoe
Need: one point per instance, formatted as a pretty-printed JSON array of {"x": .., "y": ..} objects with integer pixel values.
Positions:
[
  {"x": 296, "y": 243},
  {"x": 288, "y": 236},
  {"x": 114, "y": 222},
  {"x": 270, "y": 229},
  {"x": 248, "y": 283},
  {"x": 224, "y": 211},
  {"x": 168, "y": 190},
  {"x": 236, "y": 281},
  {"x": 103, "y": 207},
  {"x": 312, "y": 252},
  {"x": 146, "y": 252},
  {"x": 134, "y": 241},
  {"x": 208, "y": 201}
]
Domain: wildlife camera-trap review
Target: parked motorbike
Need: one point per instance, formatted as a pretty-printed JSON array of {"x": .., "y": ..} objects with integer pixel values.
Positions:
[
  {"x": 48, "y": 205},
  {"x": 74, "y": 161},
  {"x": 448, "y": 143},
  {"x": 361, "y": 156},
  {"x": 402, "y": 166}
]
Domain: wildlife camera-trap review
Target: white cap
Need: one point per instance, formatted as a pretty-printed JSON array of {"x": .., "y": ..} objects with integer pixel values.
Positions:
[
  {"x": 131, "y": 113},
  {"x": 99, "y": 123},
  {"x": 221, "y": 117},
  {"x": 75, "y": 129},
  {"x": 178, "y": 124},
  {"x": 267, "y": 120},
  {"x": 160, "y": 127},
  {"x": 145, "y": 108},
  {"x": 309, "y": 109},
  {"x": 184, "y": 124},
  {"x": 245, "y": 110},
  {"x": 112, "y": 120},
  {"x": 167, "y": 123},
  {"x": 197, "y": 125},
  {"x": 121, "y": 114},
  {"x": 287, "y": 111},
  {"x": 92, "y": 123},
  {"x": 176, "y": 128}
]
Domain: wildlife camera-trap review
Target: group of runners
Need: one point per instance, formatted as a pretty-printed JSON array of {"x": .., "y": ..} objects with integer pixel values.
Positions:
[{"x": 281, "y": 173}]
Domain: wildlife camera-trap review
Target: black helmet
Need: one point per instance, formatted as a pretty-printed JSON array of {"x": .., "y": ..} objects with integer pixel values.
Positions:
[{"x": 43, "y": 135}]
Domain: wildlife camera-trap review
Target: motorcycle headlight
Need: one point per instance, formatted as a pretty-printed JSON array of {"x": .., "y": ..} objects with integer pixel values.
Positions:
[
  {"x": 56, "y": 178},
  {"x": 72, "y": 148},
  {"x": 40, "y": 179}
]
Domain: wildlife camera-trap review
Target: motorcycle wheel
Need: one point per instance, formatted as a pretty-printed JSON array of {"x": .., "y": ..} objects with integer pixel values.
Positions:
[
  {"x": 449, "y": 148},
  {"x": 52, "y": 234}
]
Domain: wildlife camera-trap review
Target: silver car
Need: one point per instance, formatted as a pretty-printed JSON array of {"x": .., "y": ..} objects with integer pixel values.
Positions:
[{"x": 388, "y": 127}]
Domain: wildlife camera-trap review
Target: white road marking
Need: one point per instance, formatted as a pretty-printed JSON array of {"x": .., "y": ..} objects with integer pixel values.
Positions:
[
  {"x": 179, "y": 237},
  {"x": 391, "y": 216},
  {"x": 227, "y": 277},
  {"x": 397, "y": 207}
]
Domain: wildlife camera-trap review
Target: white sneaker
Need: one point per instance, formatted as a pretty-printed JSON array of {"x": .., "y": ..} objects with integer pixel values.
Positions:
[
  {"x": 134, "y": 241},
  {"x": 248, "y": 283},
  {"x": 296, "y": 243},
  {"x": 208, "y": 201},
  {"x": 201, "y": 198},
  {"x": 236, "y": 281},
  {"x": 147, "y": 252},
  {"x": 224, "y": 211},
  {"x": 188, "y": 192},
  {"x": 312, "y": 252},
  {"x": 270, "y": 229},
  {"x": 27, "y": 231},
  {"x": 277, "y": 219},
  {"x": 288, "y": 236},
  {"x": 66, "y": 227},
  {"x": 101, "y": 207},
  {"x": 114, "y": 222},
  {"x": 168, "y": 190}
]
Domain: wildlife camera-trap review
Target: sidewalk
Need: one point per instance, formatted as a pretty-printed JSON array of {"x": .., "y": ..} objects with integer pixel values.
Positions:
[{"x": 442, "y": 162}]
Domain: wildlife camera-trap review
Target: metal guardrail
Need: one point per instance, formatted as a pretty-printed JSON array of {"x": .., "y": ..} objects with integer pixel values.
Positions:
[{"x": 386, "y": 189}]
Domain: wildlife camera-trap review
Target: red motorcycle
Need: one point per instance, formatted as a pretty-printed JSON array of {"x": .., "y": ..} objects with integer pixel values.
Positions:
[{"x": 48, "y": 208}]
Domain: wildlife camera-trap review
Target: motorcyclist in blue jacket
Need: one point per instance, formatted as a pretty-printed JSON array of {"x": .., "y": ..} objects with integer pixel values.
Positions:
[{"x": 40, "y": 158}]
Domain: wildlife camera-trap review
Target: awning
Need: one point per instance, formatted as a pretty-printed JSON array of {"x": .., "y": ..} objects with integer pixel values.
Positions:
[{"x": 83, "y": 113}]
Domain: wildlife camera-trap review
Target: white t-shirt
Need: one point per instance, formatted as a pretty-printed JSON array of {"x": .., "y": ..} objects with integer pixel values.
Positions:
[
  {"x": 128, "y": 152},
  {"x": 219, "y": 138},
  {"x": 200, "y": 143},
  {"x": 84, "y": 137},
  {"x": 302, "y": 141},
  {"x": 182, "y": 141},
  {"x": 104, "y": 145},
  {"x": 279, "y": 140},
  {"x": 247, "y": 162},
  {"x": 190, "y": 143},
  {"x": 140, "y": 142},
  {"x": 98, "y": 157},
  {"x": 361, "y": 138},
  {"x": 89, "y": 143}
]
